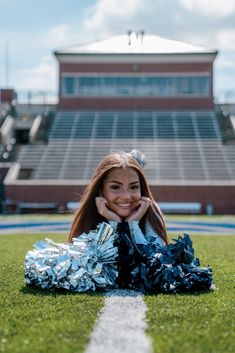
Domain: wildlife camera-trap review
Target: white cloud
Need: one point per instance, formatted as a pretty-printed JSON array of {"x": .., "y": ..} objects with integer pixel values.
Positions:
[
  {"x": 106, "y": 10},
  {"x": 226, "y": 39},
  {"x": 218, "y": 8},
  {"x": 209, "y": 23},
  {"x": 61, "y": 35},
  {"x": 43, "y": 76}
]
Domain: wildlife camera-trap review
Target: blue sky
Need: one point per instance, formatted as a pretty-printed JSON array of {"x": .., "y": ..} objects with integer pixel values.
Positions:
[{"x": 30, "y": 30}]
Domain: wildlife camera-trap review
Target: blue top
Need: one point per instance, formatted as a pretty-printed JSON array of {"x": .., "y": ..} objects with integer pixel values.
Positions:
[{"x": 137, "y": 235}]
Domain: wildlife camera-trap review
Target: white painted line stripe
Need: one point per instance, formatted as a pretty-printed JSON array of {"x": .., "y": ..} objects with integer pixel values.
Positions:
[{"x": 121, "y": 325}]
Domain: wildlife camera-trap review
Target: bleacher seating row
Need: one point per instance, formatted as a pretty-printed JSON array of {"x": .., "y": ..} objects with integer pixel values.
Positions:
[
  {"x": 138, "y": 125},
  {"x": 73, "y": 150}
]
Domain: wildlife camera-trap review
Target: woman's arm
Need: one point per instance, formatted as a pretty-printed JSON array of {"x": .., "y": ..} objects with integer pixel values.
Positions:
[
  {"x": 144, "y": 239},
  {"x": 137, "y": 235}
]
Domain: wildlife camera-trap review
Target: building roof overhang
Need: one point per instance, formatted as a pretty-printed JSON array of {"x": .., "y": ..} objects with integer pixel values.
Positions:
[
  {"x": 142, "y": 48},
  {"x": 135, "y": 58}
]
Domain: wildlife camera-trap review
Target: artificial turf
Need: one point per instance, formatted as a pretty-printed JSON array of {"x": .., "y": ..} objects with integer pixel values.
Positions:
[
  {"x": 200, "y": 322},
  {"x": 37, "y": 321},
  {"x": 40, "y": 321}
]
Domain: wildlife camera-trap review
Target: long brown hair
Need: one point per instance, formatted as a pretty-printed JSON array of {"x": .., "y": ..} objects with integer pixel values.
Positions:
[{"x": 87, "y": 216}]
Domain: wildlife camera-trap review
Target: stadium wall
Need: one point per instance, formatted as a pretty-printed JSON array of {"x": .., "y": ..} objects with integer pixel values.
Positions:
[
  {"x": 104, "y": 67},
  {"x": 220, "y": 196},
  {"x": 146, "y": 103}
]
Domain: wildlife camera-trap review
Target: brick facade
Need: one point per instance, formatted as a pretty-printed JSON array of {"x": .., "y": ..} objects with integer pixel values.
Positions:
[{"x": 220, "y": 196}]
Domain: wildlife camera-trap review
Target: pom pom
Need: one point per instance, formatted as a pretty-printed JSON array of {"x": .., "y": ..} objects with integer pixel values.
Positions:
[
  {"x": 174, "y": 269},
  {"x": 89, "y": 263},
  {"x": 105, "y": 259}
]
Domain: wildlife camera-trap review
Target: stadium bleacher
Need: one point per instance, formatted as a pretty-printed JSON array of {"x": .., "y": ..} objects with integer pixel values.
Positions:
[
  {"x": 134, "y": 125},
  {"x": 178, "y": 146}
]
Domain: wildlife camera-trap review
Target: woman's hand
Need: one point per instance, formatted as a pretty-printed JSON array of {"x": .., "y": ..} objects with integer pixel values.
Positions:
[
  {"x": 142, "y": 207},
  {"x": 102, "y": 207}
]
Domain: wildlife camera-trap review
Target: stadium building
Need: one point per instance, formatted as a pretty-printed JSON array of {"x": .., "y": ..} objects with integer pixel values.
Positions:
[{"x": 132, "y": 91}]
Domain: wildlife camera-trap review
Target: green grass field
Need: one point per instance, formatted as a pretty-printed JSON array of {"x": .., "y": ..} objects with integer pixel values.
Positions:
[
  {"x": 37, "y": 321},
  {"x": 198, "y": 322}
]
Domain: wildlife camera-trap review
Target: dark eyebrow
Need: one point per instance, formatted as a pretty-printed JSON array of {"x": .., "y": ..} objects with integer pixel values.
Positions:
[{"x": 117, "y": 182}]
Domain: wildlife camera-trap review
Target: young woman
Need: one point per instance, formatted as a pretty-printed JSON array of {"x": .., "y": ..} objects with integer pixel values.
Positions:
[
  {"x": 119, "y": 192},
  {"x": 118, "y": 239}
]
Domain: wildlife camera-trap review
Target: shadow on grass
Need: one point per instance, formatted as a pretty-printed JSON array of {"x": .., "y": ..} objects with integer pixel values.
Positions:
[
  {"x": 55, "y": 292},
  {"x": 27, "y": 289}
]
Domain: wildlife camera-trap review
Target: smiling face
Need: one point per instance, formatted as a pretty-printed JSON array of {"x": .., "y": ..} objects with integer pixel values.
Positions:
[{"x": 121, "y": 188}]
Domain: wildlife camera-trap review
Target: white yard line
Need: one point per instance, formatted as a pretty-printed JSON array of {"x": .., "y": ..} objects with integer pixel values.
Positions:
[{"x": 121, "y": 325}]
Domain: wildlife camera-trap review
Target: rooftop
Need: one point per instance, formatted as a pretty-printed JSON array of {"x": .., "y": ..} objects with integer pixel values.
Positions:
[{"x": 136, "y": 43}]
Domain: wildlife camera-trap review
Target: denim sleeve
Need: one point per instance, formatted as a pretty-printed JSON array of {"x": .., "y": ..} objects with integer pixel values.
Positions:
[
  {"x": 153, "y": 237},
  {"x": 137, "y": 235},
  {"x": 149, "y": 237}
]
